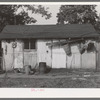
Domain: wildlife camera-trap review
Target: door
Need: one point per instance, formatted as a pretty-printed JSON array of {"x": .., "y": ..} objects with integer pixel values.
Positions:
[
  {"x": 30, "y": 52},
  {"x": 30, "y": 58}
]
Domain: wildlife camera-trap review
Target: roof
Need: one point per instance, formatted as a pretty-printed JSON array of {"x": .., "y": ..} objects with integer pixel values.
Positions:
[{"x": 48, "y": 31}]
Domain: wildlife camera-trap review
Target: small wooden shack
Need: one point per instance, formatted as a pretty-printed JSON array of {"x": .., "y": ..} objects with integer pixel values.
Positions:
[{"x": 30, "y": 44}]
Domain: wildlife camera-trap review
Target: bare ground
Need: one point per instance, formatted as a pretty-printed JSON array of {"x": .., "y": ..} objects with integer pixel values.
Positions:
[{"x": 56, "y": 78}]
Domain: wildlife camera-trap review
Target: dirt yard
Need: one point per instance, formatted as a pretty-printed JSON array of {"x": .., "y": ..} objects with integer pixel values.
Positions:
[{"x": 56, "y": 78}]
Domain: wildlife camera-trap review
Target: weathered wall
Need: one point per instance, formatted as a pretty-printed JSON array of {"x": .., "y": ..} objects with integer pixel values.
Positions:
[
  {"x": 98, "y": 55},
  {"x": 58, "y": 56},
  {"x": 7, "y": 55},
  {"x": 54, "y": 57},
  {"x": 12, "y": 57},
  {"x": 18, "y": 53},
  {"x": 74, "y": 61},
  {"x": 88, "y": 60},
  {"x": 77, "y": 60},
  {"x": 30, "y": 58},
  {"x": 17, "y": 57},
  {"x": 44, "y": 52}
]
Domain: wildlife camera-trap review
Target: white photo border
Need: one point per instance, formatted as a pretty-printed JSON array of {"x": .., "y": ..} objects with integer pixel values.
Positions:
[{"x": 50, "y": 92}]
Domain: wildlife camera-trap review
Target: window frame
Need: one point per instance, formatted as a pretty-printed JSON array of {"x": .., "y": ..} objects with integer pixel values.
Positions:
[{"x": 29, "y": 44}]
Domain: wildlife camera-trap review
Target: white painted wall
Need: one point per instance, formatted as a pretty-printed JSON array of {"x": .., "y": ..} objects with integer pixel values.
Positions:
[
  {"x": 54, "y": 57},
  {"x": 74, "y": 61},
  {"x": 12, "y": 57},
  {"x": 30, "y": 58},
  {"x": 18, "y": 53},
  {"x": 44, "y": 52},
  {"x": 58, "y": 56},
  {"x": 7, "y": 55},
  {"x": 89, "y": 60}
]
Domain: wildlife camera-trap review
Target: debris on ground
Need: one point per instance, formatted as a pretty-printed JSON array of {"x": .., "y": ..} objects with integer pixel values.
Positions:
[{"x": 56, "y": 78}]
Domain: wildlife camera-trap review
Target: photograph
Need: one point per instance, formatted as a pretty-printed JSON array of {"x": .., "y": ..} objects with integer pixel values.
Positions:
[{"x": 49, "y": 45}]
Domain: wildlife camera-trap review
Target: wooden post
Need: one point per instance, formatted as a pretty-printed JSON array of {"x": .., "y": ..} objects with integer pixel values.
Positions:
[
  {"x": 98, "y": 57},
  {"x": 23, "y": 51},
  {"x": 13, "y": 58},
  {"x": 51, "y": 52},
  {"x": 81, "y": 60}
]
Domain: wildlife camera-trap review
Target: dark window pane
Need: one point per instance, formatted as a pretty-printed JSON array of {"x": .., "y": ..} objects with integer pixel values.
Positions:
[
  {"x": 32, "y": 44},
  {"x": 26, "y": 44}
]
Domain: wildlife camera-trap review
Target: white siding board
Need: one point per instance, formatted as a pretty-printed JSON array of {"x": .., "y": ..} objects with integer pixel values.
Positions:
[
  {"x": 18, "y": 55},
  {"x": 58, "y": 57},
  {"x": 7, "y": 56},
  {"x": 89, "y": 60},
  {"x": 30, "y": 58},
  {"x": 74, "y": 61},
  {"x": 44, "y": 52},
  {"x": 54, "y": 57}
]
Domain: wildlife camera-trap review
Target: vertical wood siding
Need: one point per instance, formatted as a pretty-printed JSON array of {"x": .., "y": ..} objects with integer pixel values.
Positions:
[
  {"x": 86, "y": 60},
  {"x": 30, "y": 58},
  {"x": 12, "y": 58},
  {"x": 44, "y": 52},
  {"x": 54, "y": 57},
  {"x": 18, "y": 55},
  {"x": 89, "y": 60},
  {"x": 58, "y": 56},
  {"x": 7, "y": 55},
  {"x": 74, "y": 61}
]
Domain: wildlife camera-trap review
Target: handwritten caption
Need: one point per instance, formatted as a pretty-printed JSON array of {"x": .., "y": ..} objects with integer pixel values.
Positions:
[{"x": 36, "y": 90}]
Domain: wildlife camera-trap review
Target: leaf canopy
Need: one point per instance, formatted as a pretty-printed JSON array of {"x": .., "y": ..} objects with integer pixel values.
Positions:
[
  {"x": 77, "y": 14},
  {"x": 18, "y": 14}
]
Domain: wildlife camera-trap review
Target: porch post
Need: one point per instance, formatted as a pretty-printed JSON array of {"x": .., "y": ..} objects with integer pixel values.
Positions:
[{"x": 98, "y": 57}]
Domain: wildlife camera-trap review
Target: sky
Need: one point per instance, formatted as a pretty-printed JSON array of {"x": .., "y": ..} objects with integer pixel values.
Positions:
[{"x": 54, "y": 9}]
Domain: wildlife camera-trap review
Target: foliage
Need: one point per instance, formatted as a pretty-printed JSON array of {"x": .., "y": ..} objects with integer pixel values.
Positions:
[
  {"x": 18, "y": 14},
  {"x": 77, "y": 14}
]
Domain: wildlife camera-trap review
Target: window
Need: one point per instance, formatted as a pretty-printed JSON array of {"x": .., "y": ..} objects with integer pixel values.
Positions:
[{"x": 29, "y": 44}]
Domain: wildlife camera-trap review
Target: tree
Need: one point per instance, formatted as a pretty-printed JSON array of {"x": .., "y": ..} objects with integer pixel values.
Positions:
[
  {"x": 18, "y": 14},
  {"x": 77, "y": 14}
]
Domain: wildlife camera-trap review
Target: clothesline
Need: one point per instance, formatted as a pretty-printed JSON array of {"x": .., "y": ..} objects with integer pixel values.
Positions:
[{"x": 63, "y": 42}]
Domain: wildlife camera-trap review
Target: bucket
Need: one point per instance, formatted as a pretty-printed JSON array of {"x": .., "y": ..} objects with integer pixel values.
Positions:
[
  {"x": 42, "y": 67},
  {"x": 27, "y": 69}
]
